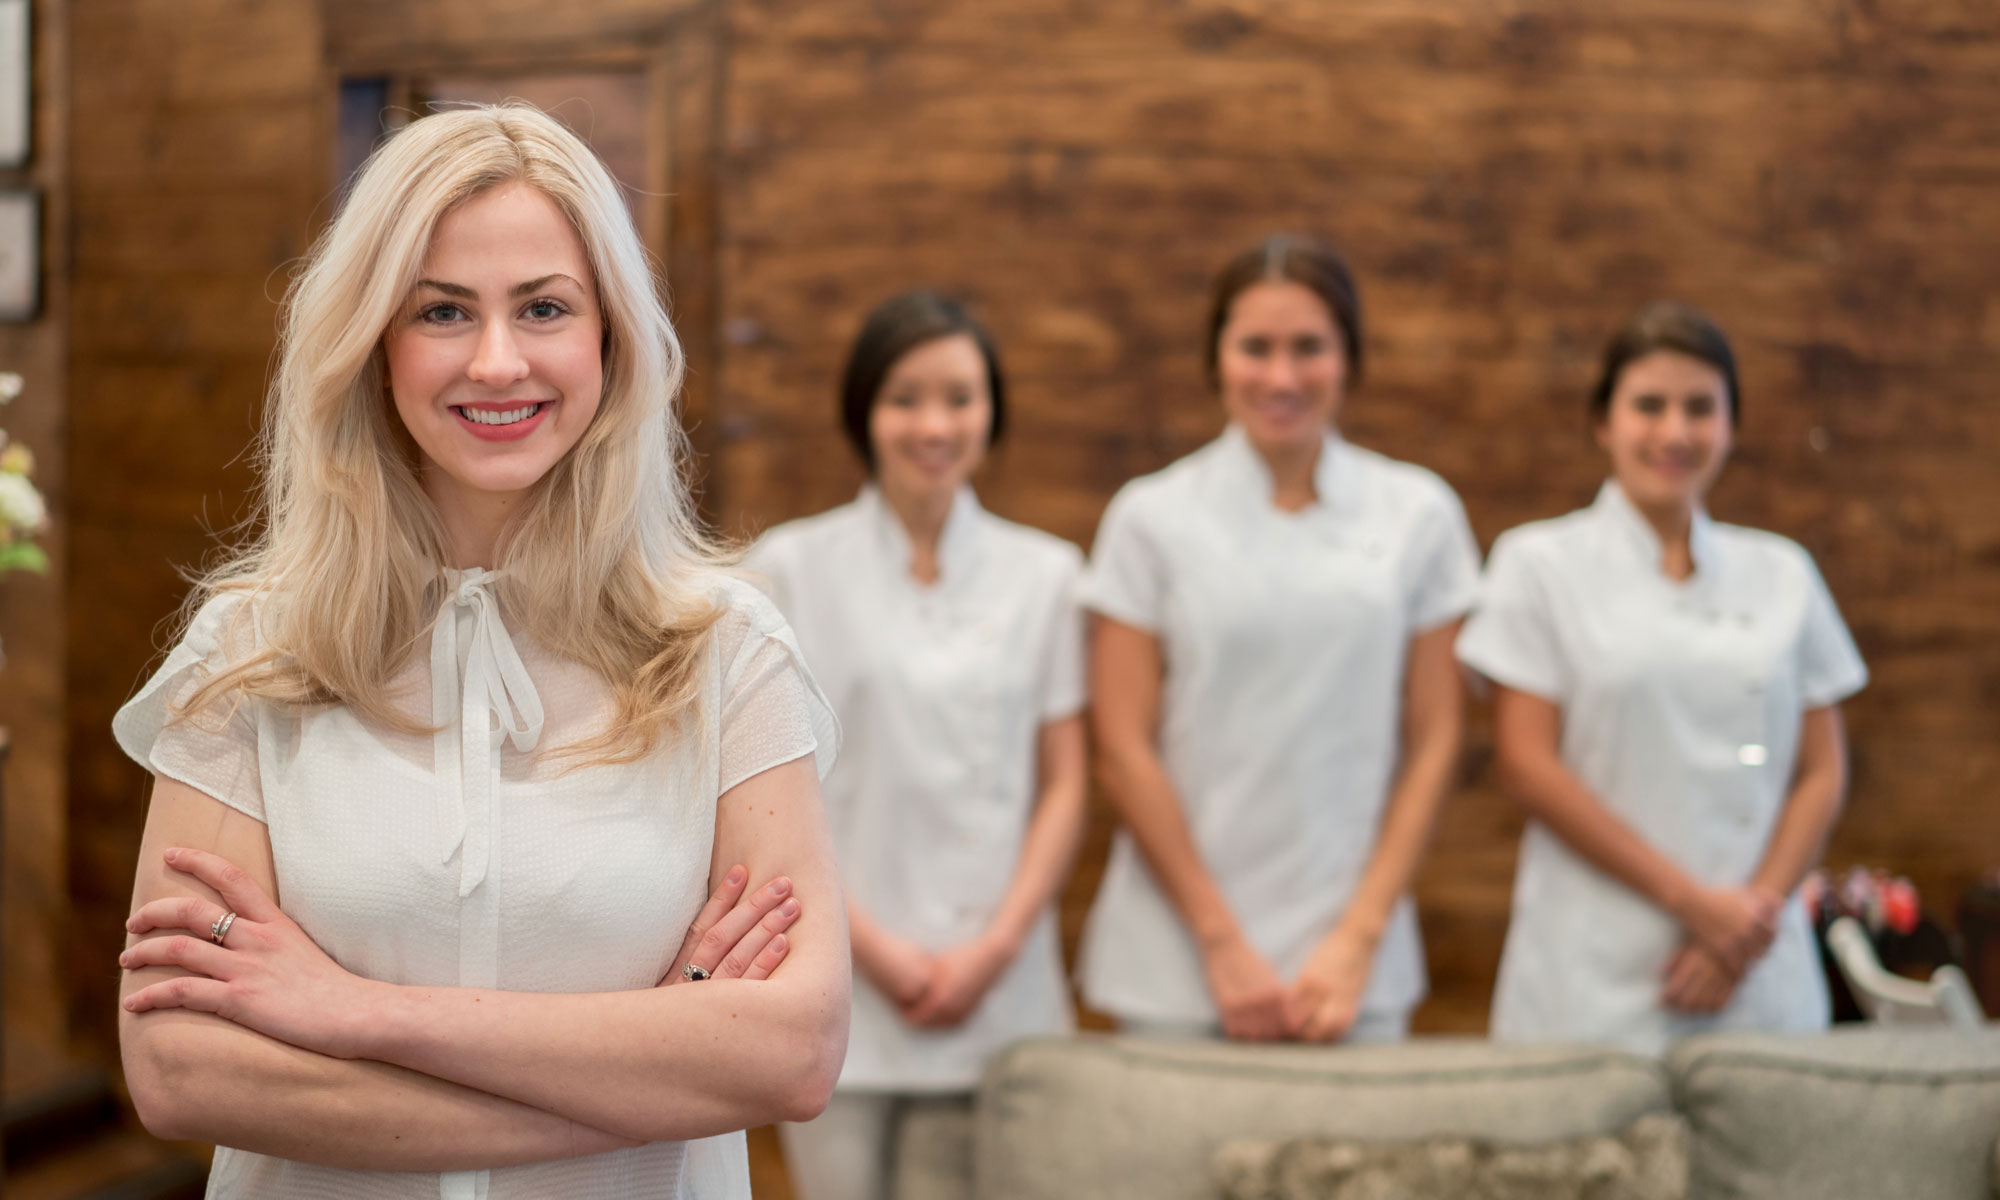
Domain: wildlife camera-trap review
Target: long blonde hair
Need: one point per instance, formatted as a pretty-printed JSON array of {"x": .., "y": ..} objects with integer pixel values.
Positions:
[{"x": 344, "y": 570}]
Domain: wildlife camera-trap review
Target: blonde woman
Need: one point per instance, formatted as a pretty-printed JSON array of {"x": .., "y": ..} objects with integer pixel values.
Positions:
[{"x": 447, "y": 760}]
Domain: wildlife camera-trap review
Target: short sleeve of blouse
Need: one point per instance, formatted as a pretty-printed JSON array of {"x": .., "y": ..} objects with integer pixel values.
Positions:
[
  {"x": 1447, "y": 578},
  {"x": 1065, "y": 691},
  {"x": 1510, "y": 638},
  {"x": 215, "y": 750},
  {"x": 1830, "y": 667},
  {"x": 772, "y": 709},
  {"x": 1126, "y": 579}
]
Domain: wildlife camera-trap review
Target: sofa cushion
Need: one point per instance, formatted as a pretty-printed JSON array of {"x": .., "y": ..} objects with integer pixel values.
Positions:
[
  {"x": 1114, "y": 1117},
  {"x": 1856, "y": 1114},
  {"x": 1648, "y": 1161},
  {"x": 933, "y": 1149}
]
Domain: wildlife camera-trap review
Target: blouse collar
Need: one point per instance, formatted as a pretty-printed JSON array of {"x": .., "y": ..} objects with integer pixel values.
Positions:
[
  {"x": 1616, "y": 509},
  {"x": 1248, "y": 477},
  {"x": 956, "y": 541},
  {"x": 472, "y": 713}
]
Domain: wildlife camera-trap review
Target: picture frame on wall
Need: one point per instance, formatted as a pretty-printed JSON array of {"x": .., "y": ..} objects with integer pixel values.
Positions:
[
  {"x": 16, "y": 61},
  {"x": 20, "y": 254}
]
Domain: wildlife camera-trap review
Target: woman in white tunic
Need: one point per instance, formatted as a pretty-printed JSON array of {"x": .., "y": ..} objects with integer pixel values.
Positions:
[
  {"x": 1276, "y": 707},
  {"x": 450, "y": 756},
  {"x": 950, "y": 643},
  {"x": 1665, "y": 707}
]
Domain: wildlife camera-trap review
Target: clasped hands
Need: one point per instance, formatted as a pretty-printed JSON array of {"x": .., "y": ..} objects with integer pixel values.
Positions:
[
  {"x": 938, "y": 990},
  {"x": 1728, "y": 930},
  {"x": 269, "y": 976},
  {"x": 1319, "y": 1006}
]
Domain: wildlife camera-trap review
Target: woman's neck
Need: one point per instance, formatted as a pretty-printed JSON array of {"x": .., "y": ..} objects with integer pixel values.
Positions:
[
  {"x": 922, "y": 515},
  {"x": 1673, "y": 524},
  {"x": 1294, "y": 474},
  {"x": 473, "y": 521}
]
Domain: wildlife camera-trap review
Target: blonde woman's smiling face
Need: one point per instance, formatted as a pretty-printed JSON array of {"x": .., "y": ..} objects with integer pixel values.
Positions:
[{"x": 496, "y": 360}]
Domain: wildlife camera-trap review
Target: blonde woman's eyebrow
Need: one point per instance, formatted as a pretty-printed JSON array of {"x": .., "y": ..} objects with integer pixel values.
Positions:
[
  {"x": 536, "y": 285},
  {"x": 449, "y": 289},
  {"x": 520, "y": 289}
]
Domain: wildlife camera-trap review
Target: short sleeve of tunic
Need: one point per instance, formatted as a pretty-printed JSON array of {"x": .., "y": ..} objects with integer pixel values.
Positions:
[
  {"x": 1510, "y": 638},
  {"x": 1065, "y": 691},
  {"x": 1447, "y": 578},
  {"x": 772, "y": 709},
  {"x": 1126, "y": 580},
  {"x": 1830, "y": 668},
  {"x": 214, "y": 750}
]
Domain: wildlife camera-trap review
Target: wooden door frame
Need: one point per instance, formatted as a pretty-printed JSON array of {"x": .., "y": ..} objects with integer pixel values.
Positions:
[{"x": 683, "y": 55}]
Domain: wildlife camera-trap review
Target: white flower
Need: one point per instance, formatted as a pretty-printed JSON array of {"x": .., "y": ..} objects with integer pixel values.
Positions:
[
  {"x": 10, "y": 386},
  {"x": 20, "y": 504}
]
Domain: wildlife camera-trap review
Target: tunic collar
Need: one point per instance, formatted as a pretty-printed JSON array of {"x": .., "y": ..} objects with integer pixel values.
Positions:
[
  {"x": 1248, "y": 476},
  {"x": 956, "y": 542},
  {"x": 494, "y": 698},
  {"x": 1616, "y": 509}
]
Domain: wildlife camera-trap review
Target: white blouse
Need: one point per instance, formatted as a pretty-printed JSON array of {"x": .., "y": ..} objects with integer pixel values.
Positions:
[
  {"x": 942, "y": 692},
  {"x": 1285, "y": 636},
  {"x": 467, "y": 859},
  {"x": 1682, "y": 704}
]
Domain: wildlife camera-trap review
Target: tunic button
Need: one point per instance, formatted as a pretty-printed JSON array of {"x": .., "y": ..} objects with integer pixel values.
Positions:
[{"x": 1752, "y": 755}]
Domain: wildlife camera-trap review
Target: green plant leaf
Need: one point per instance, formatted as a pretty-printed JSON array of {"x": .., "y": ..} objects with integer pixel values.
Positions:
[{"x": 23, "y": 556}]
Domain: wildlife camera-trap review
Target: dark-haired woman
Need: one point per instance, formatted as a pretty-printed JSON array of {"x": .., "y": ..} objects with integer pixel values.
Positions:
[
  {"x": 951, "y": 646},
  {"x": 1275, "y": 703},
  {"x": 1666, "y": 692}
]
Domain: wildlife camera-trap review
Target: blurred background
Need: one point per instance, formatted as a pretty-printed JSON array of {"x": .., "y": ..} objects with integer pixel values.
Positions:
[{"x": 1509, "y": 177}]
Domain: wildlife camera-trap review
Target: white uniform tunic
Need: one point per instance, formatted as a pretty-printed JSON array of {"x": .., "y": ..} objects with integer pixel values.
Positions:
[
  {"x": 1681, "y": 704},
  {"x": 942, "y": 691},
  {"x": 465, "y": 860},
  {"x": 1285, "y": 636}
]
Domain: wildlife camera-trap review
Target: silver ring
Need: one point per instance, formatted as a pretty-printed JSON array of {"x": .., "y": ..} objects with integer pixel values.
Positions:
[
  {"x": 220, "y": 929},
  {"x": 693, "y": 974}
]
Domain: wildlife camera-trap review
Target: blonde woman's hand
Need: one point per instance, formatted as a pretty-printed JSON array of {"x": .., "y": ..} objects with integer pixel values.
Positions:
[
  {"x": 738, "y": 936},
  {"x": 1254, "y": 1003},
  {"x": 959, "y": 979},
  {"x": 265, "y": 974},
  {"x": 1326, "y": 998}
]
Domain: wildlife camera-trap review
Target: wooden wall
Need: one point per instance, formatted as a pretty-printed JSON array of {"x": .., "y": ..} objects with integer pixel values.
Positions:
[
  {"x": 1509, "y": 178},
  {"x": 35, "y": 898},
  {"x": 200, "y": 162}
]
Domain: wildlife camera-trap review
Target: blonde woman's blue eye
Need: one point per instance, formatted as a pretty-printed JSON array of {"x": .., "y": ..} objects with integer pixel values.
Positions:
[
  {"x": 545, "y": 310},
  {"x": 441, "y": 314}
]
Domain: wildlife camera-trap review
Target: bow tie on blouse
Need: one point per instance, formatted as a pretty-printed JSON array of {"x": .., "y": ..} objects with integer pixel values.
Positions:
[{"x": 495, "y": 699}]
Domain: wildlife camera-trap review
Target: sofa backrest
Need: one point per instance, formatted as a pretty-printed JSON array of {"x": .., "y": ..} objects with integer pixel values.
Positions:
[
  {"x": 1857, "y": 1114},
  {"x": 1115, "y": 1117}
]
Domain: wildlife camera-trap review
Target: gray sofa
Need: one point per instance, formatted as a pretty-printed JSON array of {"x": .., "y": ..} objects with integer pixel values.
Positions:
[{"x": 1857, "y": 1114}]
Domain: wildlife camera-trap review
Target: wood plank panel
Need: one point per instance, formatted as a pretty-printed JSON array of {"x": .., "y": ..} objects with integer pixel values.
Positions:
[
  {"x": 1510, "y": 181},
  {"x": 34, "y": 619}
]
